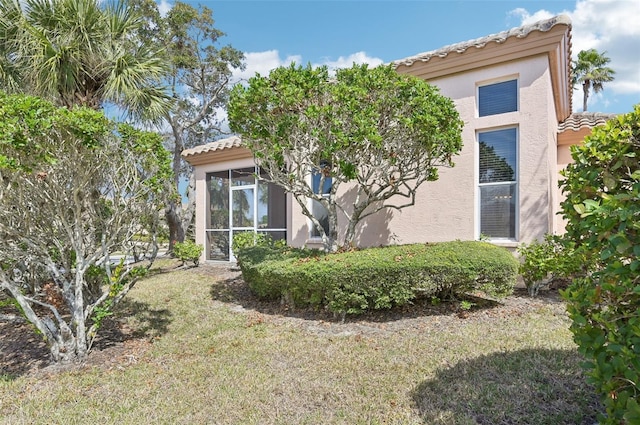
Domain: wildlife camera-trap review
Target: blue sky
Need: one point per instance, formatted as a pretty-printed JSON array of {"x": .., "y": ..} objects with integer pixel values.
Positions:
[{"x": 337, "y": 33}]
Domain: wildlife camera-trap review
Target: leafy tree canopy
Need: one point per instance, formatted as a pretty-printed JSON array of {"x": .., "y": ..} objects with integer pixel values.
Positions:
[
  {"x": 81, "y": 52},
  {"x": 603, "y": 212},
  {"x": 74, "y": 189},
  {"x": 199, "y": 69},
  {"x": 383, "y": 133}
]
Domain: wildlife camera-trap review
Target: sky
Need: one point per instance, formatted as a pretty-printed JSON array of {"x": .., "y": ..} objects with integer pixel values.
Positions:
[{"x": 337, "y": 33}]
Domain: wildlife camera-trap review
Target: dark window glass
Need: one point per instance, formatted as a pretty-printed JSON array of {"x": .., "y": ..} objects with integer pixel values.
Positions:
[
  {"x": 218, "y": 186},
  {"x": 271, "y": 206},
  {"x": 218, "y": 245},
  {"x": 498, "y": 98},
  {"x": 276, "y": 235},
  {"x": 243, "y": 207},
  {"x": 317, "y": 179},
  {"x": 317, "y": 209},
  {"x": 243, "y": 176},
  {"x": 498, "y": 155},
  {"x": 322, "y": 214},
  {"x": 498, "y": 177}
]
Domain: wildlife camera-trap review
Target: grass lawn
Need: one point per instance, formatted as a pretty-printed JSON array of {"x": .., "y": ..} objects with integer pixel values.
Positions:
[{"x": 199, "y": 349}]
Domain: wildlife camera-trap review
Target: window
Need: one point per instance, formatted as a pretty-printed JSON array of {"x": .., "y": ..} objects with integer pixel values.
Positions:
[
  {"x": 498, "y": 183},
  {"x": 218, "y": 217},
  {"x": 271, "y": 206},
  {"x": 240, "y": 202},
  {"x": 317, "y": 209},
  {"x": 498, "y": 98}
]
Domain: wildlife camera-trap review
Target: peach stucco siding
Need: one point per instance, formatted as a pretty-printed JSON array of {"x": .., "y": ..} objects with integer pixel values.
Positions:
[
  {"x": 537, "y": 56},
  {"x": 563, "y": 150},
  {"x": 448, "y": 208}
]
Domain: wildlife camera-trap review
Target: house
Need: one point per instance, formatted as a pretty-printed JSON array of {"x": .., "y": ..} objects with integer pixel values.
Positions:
[{"x": 513, "y": 93}]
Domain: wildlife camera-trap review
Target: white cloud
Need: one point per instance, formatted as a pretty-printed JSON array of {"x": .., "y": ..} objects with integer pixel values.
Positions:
[
  {"x": 164, "y": 7},
  {"x": 346, "y": 62},
  {"x": 609, "y": 26},
  {"x": 526, "y": 18},
  {"x": 262, "y": 63}
]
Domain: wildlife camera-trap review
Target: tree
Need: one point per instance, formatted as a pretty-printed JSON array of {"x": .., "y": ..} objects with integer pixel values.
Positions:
[
  {"x": 380, "y": 133},
  {"x": 602, "y": 208},
  {"x": 590, "y": 71},
  {"x": 74, "y": 189},
  {"x": 81, "y": 52},
  {"x": 198, "y": 79}
]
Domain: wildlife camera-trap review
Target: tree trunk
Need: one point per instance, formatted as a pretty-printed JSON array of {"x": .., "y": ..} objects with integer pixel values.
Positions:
[
  {"x": 60, "y": 340},
  {"x": 171, "y": 212},
  {"x": 350, "y": 235},
  {"x": 332, "y": 245},
  {"x": 189, "y": 211},
  {"x": 176, "y": 231},
  {"x": 79, "y": 321},
  {"x": 585, "y": 89},
  {"x": 64, "y": 347}
]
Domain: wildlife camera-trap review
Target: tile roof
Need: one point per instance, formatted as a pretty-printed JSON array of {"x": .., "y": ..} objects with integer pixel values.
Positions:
[
  {"x": 218, "y": 145},
  {"x": 520, "y": 32},
  {"x": 579, "y": 120}
]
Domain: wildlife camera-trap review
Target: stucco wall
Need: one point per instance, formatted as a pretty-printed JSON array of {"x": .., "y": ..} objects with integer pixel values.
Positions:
[
  {"x": 565, "y": 141},
  {"x": 448, "y": 209},
  {"x": 552, "y": 128}
]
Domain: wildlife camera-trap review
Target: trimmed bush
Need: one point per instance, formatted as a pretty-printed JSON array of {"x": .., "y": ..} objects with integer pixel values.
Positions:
[
  {"x": 187, "y": 251},
  {"x": 378, "y": 278},
  {"x": 553, "y": 260},
  {"x": 253, "y": 259}
]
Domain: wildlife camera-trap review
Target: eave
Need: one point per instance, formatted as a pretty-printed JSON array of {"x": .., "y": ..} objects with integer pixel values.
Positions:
[{"x": 551, "y": 37}]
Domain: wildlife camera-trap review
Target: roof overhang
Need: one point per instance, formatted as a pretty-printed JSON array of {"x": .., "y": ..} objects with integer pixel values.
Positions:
[
  {"x": 579, "y": 125},
  {"x": 219, "y": 151},
  {"x": 551, "y": 37}
]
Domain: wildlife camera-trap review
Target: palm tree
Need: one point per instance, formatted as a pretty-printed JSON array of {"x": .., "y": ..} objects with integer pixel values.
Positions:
[
  {"x": 590, "y": 71},
  {"x": 80, "y": 52}
]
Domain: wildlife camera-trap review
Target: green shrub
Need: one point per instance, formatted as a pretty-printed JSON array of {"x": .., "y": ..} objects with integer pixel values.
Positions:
[
  {"x": 252, "y": 260},
  {"x": 603, "y": 212},
  {"x": 248, "y": 239},
  {"x": 187, "y": 251},
  {"x": 378, "y": 278},
  {"x": 549, "y": 261}
]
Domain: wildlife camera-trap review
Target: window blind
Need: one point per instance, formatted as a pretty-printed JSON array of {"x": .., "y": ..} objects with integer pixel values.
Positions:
[{"x": 498, "y": 98}]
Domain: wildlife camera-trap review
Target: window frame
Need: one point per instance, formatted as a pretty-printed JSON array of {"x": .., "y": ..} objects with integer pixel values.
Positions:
[
  {"x": 312, "y": 202},
  {"x": 230, "y": 229},
  {"x": 479, "y": 185}
]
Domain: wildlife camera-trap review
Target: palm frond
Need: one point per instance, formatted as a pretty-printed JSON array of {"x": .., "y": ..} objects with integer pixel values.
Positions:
[{"x": 81, "y": 52}]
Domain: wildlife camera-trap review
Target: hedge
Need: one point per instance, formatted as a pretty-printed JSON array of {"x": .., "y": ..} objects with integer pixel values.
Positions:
[
  {"x": 377, "y": 278},
  {"x": 602, "y": 208}
]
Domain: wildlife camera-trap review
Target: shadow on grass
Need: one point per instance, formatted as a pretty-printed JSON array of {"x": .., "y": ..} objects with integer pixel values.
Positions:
[
  {"x": 230, "y": 287},
  {"x": 167, "y": 265},
  {"x": 533, "y": 386},
  {"x": 148, "y": 323},
  {"x": 23, "y": 351}
]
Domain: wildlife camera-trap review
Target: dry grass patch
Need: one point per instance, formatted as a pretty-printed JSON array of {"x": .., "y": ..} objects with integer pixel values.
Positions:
[{"x": 211, "y": 353}]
